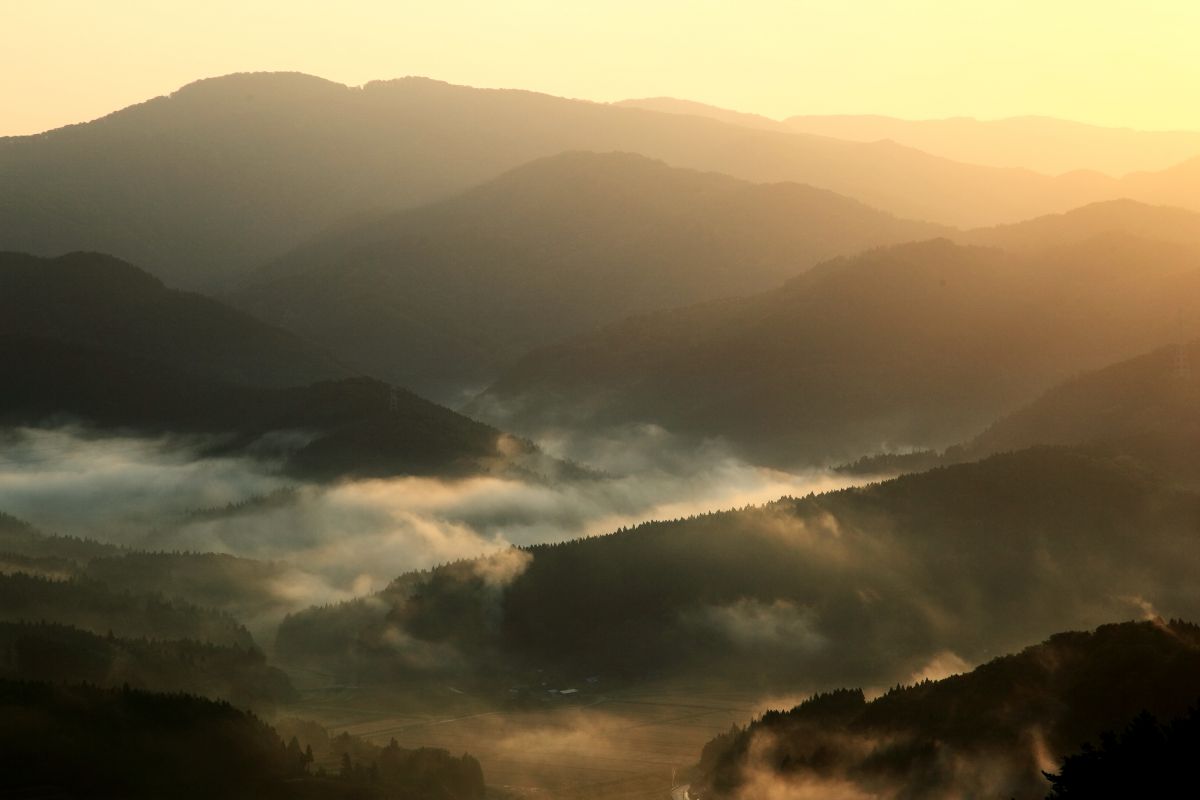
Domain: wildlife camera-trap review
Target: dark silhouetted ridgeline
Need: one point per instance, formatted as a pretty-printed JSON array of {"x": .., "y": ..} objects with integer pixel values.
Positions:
[
  {"x": 63, "y": 654},
  {"x": 96, "y": 300},
  {"x": 989, "y": 732},
  {"x": 86, "y": 741}
]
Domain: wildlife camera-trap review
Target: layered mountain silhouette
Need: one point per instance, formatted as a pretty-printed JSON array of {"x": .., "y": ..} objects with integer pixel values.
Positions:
[
  {"x": 1043, "y": 144},
  {"x": 352, "y": 427},
  {"x": 229, "y": 172},
  {"x": 95, "y": 300},
  {"x": 1146, "y": 408},
  {"x": 441, "y": 297},
  {"x": 1156, "y": 223},
  {"x": 865, "y": 585},
  {"x": 989, "y": 732},
  {"x": 91, "y": 339},
  {"x": 921, "y": 344}
]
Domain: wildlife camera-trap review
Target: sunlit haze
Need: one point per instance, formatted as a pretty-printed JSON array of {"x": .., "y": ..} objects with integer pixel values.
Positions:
[{"x": 1112, "y": 62}]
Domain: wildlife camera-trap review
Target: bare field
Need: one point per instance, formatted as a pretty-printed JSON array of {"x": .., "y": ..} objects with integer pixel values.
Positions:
[{"x": 626, "y": 744}]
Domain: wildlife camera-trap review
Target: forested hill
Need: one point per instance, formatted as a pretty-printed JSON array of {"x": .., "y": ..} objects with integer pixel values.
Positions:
[
  {"x": 352, "y": 427},
  {"x": 1153, "y": 398},
  {"x": 862, "y": 585},
  {"x": 100, "y": 301},
  {"x": 916, "y": 345},
  {"x": 85, "y": 741},
  {"x": 989, "y": 732},
  {"x": 1146, "y": 408}
]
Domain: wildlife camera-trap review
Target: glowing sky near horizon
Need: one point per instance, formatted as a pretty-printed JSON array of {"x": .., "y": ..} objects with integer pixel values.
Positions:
[{"x": 1113, "y": 62}]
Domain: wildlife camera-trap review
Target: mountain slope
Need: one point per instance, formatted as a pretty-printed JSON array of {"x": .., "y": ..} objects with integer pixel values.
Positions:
[
  {"x": 989, "y": 732},
  {"x": 1125, "y": 217},
  {"x": 228, "y": 172},
  {"x": 865, "y": 585},
  {"x": 439, "y": 297},
  {"x": 1147, "y": 407},
  {"x": 352, "y": 427},
  {"x": 916, "y": 345},
  {"x": 99, "y": 301}
]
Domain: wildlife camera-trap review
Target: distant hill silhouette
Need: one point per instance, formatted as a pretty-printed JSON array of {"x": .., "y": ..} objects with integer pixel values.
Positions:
[
  {"x": 1045, "y": 144},
  {"x": 353, "y": 427},
  {"x": 916, "y": 345},
  {"x": 438, "y": 298},
  {"x": 99, "y": 301},
  {"x": 1155, "y": 393},
  {"x": 1126, "y": 217},
  {"x": 673, "y": 105},
  {"x": 989, "y": 732},
  {"x": 1146, "y": 408},
  {"x": 865, "y": 585},
  {"x": 228, "y": 172}
]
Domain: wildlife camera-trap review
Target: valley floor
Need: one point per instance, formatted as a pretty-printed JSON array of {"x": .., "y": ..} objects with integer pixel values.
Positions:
[{"x": 627, "y": 744}]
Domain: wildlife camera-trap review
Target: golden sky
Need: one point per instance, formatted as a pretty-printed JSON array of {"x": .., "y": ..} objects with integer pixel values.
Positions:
[{"x": 1115, "y": 62}]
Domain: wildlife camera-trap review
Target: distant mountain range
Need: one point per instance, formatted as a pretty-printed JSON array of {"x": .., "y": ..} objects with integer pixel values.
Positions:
[
  {"x": 916, "y": 345},
  {"x": 440, "y": 298},
  {"x": 1044, "y": 144},
  {"x": 990, "y": 732},
  {"x": 230, "y": 172}
]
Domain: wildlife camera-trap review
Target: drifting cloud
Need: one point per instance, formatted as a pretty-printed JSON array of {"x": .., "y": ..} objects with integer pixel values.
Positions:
[{"x": 352, "y": 538}]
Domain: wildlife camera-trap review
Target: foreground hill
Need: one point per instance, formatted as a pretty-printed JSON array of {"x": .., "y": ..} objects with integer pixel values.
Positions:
[
  {"x": 99, "y": 301},
  {"x": 353, "y": 427},
  {"x": 228, "y": 172},
  {"x": 85, "y": 741},
  {"x": 987, "y": 733},
  {"x": 916, "y": 345},
  {"x": 440, "y": 297},
  {"x": 864, "y": 585}
]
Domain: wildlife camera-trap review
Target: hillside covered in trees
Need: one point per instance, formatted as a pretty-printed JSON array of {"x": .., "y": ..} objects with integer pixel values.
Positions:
[
  {"x": 86, "y": 741},
  {"x": 350, "y": 427},
  {"x": 96, "y": 300},
  {"x": 989, "y": 732},
  {"x": 860, "y": 585}
]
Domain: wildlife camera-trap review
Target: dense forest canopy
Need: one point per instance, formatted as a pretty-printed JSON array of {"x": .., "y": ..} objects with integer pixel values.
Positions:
[{"x": 989, "y": 732}]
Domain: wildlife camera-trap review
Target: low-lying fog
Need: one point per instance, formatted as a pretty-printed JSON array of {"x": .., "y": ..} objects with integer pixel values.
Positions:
[{"x": 353, "y": 537}]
